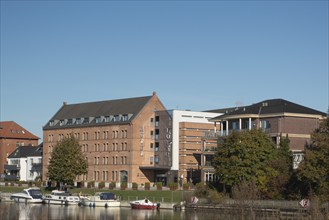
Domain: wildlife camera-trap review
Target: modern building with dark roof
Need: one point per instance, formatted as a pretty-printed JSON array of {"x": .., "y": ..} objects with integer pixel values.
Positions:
[
  {"x": 277, "y": 117},
  {"x": 116, "y": 137},
  {"x": 13, "y": 135},
  {"x": 24, "y": 163}
]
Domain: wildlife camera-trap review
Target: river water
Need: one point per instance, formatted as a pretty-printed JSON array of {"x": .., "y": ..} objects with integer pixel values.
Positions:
[{"x": 21, "y": 211}]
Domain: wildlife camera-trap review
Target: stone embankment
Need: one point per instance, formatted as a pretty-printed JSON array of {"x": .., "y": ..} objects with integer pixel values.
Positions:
[{"x": 5, "y": 197}]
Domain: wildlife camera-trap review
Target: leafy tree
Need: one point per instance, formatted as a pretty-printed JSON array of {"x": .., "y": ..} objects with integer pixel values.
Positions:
[
  {"x": 313, "y": 172},
  {"x": 282, "y": 164},
  {"x": 244, "y": 157},
  {"x": 67, "y": 161}
]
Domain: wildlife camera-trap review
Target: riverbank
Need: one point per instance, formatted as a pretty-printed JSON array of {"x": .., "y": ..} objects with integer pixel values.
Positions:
[
  {"x": 163, "y": 196},
  {"x": 5, "y": 197}
]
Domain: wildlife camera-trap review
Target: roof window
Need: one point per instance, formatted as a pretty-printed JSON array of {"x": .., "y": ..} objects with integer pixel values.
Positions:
[
  {"x": 78, "y": 121},
  {"x": 85, "y": 120},
  {"x": 98, "y": 119}
]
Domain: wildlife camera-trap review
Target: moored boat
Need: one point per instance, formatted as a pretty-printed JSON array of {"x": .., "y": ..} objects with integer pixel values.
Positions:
[
  {"x": 60, "y": 197},
  {"x": 100, "y": 199},
  {"x": 144, "y": 204},
  {"x": 29, "y": 195}
]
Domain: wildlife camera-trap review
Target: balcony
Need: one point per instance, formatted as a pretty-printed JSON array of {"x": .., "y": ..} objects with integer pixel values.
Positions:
[
  {"x": 224, "y": 133},
  {"x": 36, "y": 167},
  {"x": 11, "y": 177},
  {"x": 12, "y": 167},
  {"x": 208, "y": 164},
  {"x": 210, "y": 149}
]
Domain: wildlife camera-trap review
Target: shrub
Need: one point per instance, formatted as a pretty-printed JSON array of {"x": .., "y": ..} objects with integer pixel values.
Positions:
[
  {"x": 82, "y": 184},
  {"x": 159, "y": 185},
  {"x": 246, "y": 191},
  {"x": 201, "y": 190},
  {"x": 20, "y": 183},
  {"x": 147, "y": 186},
  {"x": 91, "y": 184},
  {"x": 173, "y": 186},
  {"x": 186, "y": 186},
  {"x": 135, "y": 186},
  {"x": 101, "y": 185},
  {"x": 112, "y": 185},
  {"x": 124, "y": 185},
  {"x": 215, "y": 196}
]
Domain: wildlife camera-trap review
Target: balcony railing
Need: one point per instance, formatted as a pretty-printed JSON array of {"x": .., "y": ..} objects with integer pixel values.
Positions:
[
  {"x": 11, "y": 177},
  {"x": 210, "y": 149},
  {"x": 12, "y": 167},
  {"x": 208, "y": 164},
  {"x": 224, "y": 133},
  {"x": 36, "y": 166}
]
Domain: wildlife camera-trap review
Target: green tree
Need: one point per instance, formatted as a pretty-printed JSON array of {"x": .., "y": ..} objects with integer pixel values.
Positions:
[
  {"x": 282, "y": 164},
  {"x": 313, "y": 172},
  {"x": 67, "y": 161},
  {"x": 243, "y": 157}
]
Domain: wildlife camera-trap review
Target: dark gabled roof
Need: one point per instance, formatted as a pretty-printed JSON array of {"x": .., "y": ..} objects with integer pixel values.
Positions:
[
  {"x": 129, "y": 106},
  {"x": 271, "y": 106},
  {"x": 10, "y": 129},
  {"x": 27, "y": 151}
]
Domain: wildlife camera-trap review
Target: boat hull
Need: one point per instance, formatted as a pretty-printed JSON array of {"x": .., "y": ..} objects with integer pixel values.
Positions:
[
  {"x": 30, "y": 195},
  {"x": 144, "y": 204},
  {"x": 58, "y": 197},
  {"x": 20, "y": 199},
  {"x": 91, "y": 203},
  {"x": 100, "y": 199},
  {"x": 140, "y": 206}
]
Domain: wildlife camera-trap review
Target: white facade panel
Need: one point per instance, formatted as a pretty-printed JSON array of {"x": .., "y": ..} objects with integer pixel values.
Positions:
[{"x": 185, "y": 116}]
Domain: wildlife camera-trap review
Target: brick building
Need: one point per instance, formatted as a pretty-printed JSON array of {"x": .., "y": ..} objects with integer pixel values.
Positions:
[
  {"x": 188, "y": 143},
  {"x": 277, "y": 117},
  {"x": 178, "y": 146},
  {"x": 12, "y": 135},
  {"x": 116, "y": 137}
]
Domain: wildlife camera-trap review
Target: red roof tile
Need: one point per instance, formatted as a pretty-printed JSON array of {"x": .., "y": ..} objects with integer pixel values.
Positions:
[{"x": 10, "y": 129}]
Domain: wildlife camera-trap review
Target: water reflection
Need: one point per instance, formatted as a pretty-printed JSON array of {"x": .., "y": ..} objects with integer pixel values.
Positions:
[{"x": 21, "y": 211}]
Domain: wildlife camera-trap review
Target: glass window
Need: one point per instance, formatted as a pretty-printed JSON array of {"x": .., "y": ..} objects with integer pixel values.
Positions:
[{"x": 98, "y": 120}]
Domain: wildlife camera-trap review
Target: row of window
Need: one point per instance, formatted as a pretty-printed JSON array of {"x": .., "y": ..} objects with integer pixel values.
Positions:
[
  {"x": 156, "y": 160},
  {"x": 105, "y": 147},
  {"x": 115, "y": 160},
  {"x": 85, "y": 135},
  {"x": 88, "y": 120},
  {"x": 97, "y": 147},
  {"x": 103, "y": 176}
]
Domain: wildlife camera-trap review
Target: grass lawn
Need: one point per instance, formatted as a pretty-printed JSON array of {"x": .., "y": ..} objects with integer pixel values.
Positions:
[{"x": 126, "y": 195}]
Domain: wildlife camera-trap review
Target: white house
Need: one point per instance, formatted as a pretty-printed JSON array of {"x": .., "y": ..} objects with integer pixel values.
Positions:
[{"x": 24, "y": 164}]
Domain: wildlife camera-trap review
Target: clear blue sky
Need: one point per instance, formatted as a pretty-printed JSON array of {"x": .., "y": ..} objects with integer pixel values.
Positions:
[{"x": 196, "y": 55}]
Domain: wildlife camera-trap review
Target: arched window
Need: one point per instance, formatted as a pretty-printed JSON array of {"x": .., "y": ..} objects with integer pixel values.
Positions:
[{"x": 123, "y": 176}]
